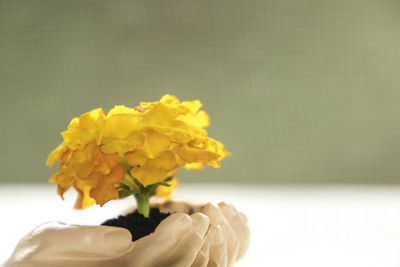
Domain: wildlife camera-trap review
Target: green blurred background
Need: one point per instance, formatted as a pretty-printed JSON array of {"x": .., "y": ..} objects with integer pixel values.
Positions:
[{"x": 299, "y": 91}]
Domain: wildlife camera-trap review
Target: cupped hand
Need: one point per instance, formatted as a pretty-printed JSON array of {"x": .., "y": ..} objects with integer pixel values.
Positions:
[{"x": 194, "y": 235}]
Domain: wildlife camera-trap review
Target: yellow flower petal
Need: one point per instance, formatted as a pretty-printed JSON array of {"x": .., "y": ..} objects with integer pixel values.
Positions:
[
  {"x": 166, "y": 191},
  {"x": 193, "y": 154},
  {"x": 120, "y": 126},
  {"x": 169, "y": 99},
  {"x": 84, "y": 129},
  {"x": 91, "y": 122},
  {"x": 116, "y": 146},
  {"x": 121, "y": 109},
  {"x": 197, "y": 121},
  {"x": 136, "y": 158},
  {"x": 193, "y": 106},
  {"x": 84, "y": 169},
  {"x": 83, "y": 188},
  {"x": 165, "y": 161},
  {"x": 104, "y": 190},
  {"x": 148, "y": 176},
  {"x": 173, "y": 132},
  {"x": 56, "y": 154},
  {"x": 151, "y": 171},
  {"x": 112, "y": 145},
  {"x": 92, "y": 173},
  {"x": 64, "y": 179},
  {"x": 194, "y": 166},
  {"x": 154, "y": 144},
  {"x": 159, "y": 114}
]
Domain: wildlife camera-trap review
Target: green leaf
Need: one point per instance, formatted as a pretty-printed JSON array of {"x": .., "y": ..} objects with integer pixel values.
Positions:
[
  {"x": 151, "y": 189},
  {"x": 140, "y": 186},
  {"x": 124, "y": 194},
  {"x": 168, "y": 179},
  {"x": 123, "y": 190}
]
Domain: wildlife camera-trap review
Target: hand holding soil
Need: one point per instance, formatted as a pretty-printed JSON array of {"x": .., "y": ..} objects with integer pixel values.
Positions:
[{"x": 195, "y": 235}]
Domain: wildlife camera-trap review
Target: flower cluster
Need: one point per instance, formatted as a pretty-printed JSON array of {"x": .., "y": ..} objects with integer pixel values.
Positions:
[{"x": 133, "y": 150}]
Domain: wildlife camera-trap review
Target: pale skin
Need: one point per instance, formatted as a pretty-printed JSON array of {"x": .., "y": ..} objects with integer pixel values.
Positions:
[{"x": 196, "y": 235}]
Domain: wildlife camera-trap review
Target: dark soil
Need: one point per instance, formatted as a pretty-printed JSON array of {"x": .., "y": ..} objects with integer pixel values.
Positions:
[{"x": 137, "y": 224}]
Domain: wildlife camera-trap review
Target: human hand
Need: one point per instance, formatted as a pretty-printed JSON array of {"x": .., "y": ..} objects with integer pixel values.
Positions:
[{"x": 215, "y": 236}]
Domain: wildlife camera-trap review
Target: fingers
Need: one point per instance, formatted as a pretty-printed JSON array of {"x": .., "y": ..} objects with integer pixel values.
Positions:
[
  {"x": 57, "y": 244},
  {"x": 233, "y": 225},
  {"x": 188, "y": 247},
  {"x": 175, "y": 242},
  {"x": 217, "y": 218},
  {"x": 177, "y": 222},
  {"x": 218, "y": 247},
  {"x": 203, "y": 256},
  {"x": 200, "y": 223},
  {"x": 151, "y": 250},
  {"x": 238, "y": 222}
]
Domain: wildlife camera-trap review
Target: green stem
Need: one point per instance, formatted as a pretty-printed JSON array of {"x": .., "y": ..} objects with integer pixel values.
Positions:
[
  {"x": 142, "y": 200},
  {"x": 125, "y": 164}
]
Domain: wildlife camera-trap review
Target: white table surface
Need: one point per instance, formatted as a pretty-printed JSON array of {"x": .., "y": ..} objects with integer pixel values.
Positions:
[{"x": 291, "y": 226}]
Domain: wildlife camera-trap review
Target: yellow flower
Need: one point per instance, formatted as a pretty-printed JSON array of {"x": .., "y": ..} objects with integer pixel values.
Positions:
[{"x": 147, "y": 143}]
